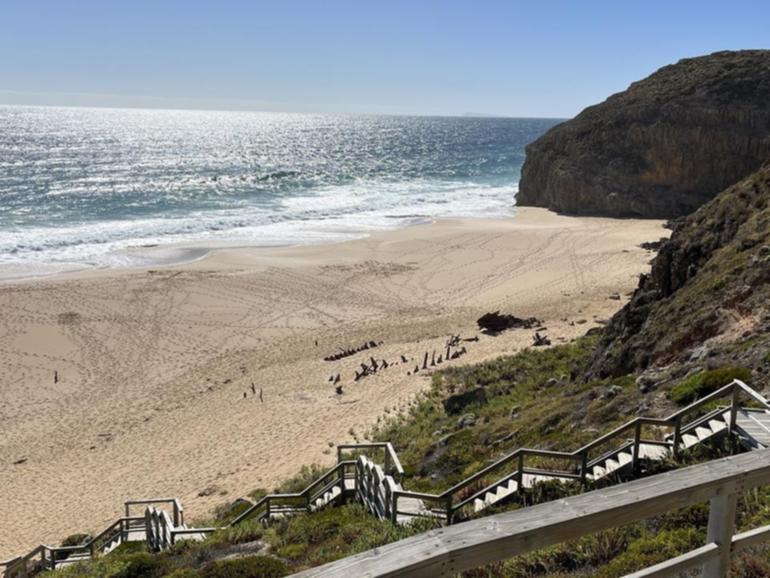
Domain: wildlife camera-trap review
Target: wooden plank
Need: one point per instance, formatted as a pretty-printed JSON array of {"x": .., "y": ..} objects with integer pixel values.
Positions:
[
  {"x": 447, "y": 551},
  {"x": 751, "y": 538},
  {"x": 720, "y": 531},
  {"x": 675, "y": 566}
]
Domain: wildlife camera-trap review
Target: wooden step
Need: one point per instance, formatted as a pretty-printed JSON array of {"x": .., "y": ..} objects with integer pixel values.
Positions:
[
  {"x": 653, "y": 452},
  {"x": 689, "y": 440},
  {"x": 718, "y": 424},
  {"x": 703, "y": 432},
  {"x": 625, "y": 458}
]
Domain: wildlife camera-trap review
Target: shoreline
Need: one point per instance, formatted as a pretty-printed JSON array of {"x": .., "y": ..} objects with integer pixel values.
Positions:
[
  {"x": 191, "y": 251},
  {"x": 129, "y": 383}
]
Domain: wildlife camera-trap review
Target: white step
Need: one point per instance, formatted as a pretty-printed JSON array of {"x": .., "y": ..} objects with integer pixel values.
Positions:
[
  {"x": 703, "y": 432},
  {"x": 689, "y": 440},
  {"x": 718, "y": 424},
  {"x": 653, "y": 452},
  {"x": 327, "y": 498},
  {"x": 625, "y": 458}
]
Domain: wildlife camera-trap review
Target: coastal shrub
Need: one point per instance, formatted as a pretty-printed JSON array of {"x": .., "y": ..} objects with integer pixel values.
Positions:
[
  {"x": 143, "y": 565},
  {"x": 706, "y": 382},
  {"x": 651, "y": 549},
  {"x": 75, "y": 540},
  {"x": 306, "y": 476},
  {"x": 184, "y": 573},
  {"x": 247, "y": 531},
  {"x": 226, "y": 513},
  {"x": 249, "y": 567}
]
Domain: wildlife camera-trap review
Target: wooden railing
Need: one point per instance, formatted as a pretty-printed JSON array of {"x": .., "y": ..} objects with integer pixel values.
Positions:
[
  {"x": 176, "y": 507},
  {"x": 162, "y": 532},
  {"x": 46, "y": 557},
  {"x": 491, "y": 539},
  {"x": 628, "y": 436},
  {"x": 391, "y": 464},
  {"x": 379, "y": 487},
  {"x": 303, "y": 501}
]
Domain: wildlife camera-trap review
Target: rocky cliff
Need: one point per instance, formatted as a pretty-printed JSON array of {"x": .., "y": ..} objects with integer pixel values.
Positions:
[
  {"x": 663, "y": 147},
  {"x": 707, "y": 298}
]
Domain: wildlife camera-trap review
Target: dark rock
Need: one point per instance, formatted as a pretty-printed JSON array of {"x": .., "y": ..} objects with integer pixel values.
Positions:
[
  {"x": 505, "y": 438},
  {"x": 649, "y": 380},
  {"x": 495, "y": 322},
  {"x": 652, "y": 245},
  {"x": 454, "y": 404},
  {"x": 613, "y": 391},
  {"x": 660, "y": 149},
  {"x": 468, "y": 420}
]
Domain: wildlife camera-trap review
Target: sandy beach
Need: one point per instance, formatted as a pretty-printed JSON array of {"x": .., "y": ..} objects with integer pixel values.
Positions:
[{"x": 128, "y": 384}]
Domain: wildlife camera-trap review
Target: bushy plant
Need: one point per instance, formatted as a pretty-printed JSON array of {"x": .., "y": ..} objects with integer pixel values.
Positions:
[
  {"x": 249, "y": 567},
  {"x": 706, "y": 382}
]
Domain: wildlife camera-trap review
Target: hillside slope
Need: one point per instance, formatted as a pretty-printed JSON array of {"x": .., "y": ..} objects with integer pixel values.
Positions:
[
  {"x": 661, "y": 148},
  {"x": 707, "y": 298}
]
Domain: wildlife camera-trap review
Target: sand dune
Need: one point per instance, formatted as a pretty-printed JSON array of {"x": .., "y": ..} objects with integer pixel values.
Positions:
[{"x": 153, "y": 364}]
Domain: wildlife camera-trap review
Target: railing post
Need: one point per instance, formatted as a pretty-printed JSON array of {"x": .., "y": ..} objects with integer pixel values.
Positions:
[
  {"x": 394, "y": 508},
  {"x": 42, "y": 559},
  {"x": 677, "y": 437},
  {"x": 147, "y": 528},
  {"x": 584, "y": 468},
  {"x": 720, "y": 531},
  {"x": 635, "y": 449},
  {"x": 734, "y": 408},
  {"x": 448, "y": 507},
  {"x": 520, "y": 470},
  {"x": 386, "y": 486}
]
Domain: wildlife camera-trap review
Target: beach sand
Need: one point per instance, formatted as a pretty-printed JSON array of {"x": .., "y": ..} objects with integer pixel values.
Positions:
[{"x": 153, "y": 364}]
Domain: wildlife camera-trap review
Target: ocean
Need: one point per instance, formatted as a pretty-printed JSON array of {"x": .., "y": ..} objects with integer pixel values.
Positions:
[{"x": 91, "y": 188}]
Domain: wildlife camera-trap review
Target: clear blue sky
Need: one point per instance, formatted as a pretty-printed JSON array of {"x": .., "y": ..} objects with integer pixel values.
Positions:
[{"x": 539, "y": 58}]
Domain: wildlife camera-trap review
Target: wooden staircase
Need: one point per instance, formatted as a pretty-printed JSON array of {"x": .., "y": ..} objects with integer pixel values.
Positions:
[{"x": 372, "y": 474}]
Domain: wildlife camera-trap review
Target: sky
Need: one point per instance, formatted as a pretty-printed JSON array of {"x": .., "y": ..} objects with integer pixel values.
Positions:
[{"x": 542, "y": 58}]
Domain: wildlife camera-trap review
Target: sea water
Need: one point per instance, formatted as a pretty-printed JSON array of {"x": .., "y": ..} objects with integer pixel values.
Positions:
[{"x": 86, "y": 187}]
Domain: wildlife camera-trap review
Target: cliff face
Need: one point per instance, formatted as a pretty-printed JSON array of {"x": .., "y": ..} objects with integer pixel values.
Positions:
[
  {"x": 663, "y": 147},
  {"x": 707, "y": 298}
]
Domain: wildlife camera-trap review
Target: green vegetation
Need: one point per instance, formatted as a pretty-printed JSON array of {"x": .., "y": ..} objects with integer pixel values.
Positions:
[
  {"x": 535, "y": 398},
  {"x": 701, "y": 384},
  {"x": 262, "y": 566}
]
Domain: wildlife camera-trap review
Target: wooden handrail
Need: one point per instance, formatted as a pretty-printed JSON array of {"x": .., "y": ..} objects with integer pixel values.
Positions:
[
  {"x": 339, "y": 469},
  {"x": 393, "y": 470},
  {"x": 466, "y": 546}
]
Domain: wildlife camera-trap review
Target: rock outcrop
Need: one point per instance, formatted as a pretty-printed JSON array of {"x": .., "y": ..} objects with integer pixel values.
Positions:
[
  {"x": 660, "y": 149},
  {"x": 708, "y": 294}
]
